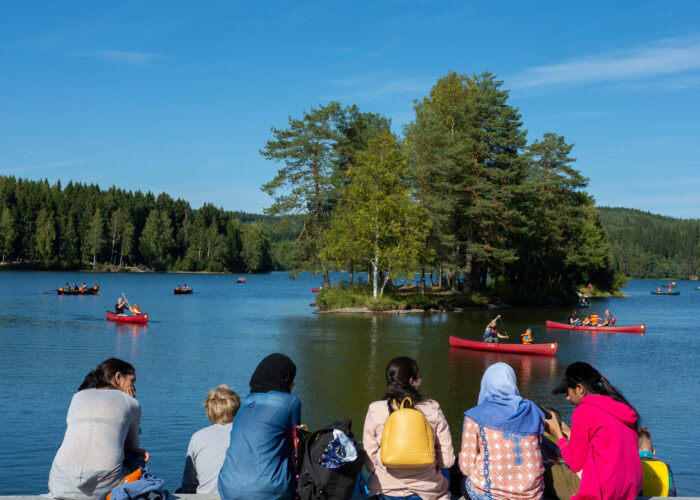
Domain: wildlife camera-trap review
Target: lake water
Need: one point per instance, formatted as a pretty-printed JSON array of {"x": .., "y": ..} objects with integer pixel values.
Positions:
[{"x": 219, "y": 334}]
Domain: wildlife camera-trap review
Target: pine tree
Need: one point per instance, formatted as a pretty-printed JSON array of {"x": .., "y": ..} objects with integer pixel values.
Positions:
[
  {"x": 7, "y": 233},
  {"x": 94, "y": 237},
  {"x": 304, "y": 185}
]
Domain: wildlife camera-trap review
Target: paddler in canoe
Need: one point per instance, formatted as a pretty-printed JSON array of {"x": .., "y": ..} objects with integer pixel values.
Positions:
[
  {"x": 491, "y": 334},
  {"x": 572, "y": 319},
  {"x": 124, "y": 304},
  {"x": 608, "y": 319},
  {"x": 527, "y": 336}
]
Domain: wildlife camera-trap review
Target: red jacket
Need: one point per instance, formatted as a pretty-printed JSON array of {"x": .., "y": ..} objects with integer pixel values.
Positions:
[{"x": 603, "y": 443}]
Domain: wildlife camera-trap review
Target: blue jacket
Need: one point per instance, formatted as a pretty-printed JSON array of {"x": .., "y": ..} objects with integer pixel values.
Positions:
[{"x": 258, "y": 461}]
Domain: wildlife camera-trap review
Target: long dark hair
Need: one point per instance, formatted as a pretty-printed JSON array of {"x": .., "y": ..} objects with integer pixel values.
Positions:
[
  {"x": 103, "y": 375},
  {"x": 590, "y": 378},
  {"x": 399, "y": 373}
]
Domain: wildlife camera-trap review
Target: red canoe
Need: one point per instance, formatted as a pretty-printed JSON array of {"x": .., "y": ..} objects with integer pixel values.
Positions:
[
  {"x": 539, "y": 349},
  {"x": 87, "y": 291},
  {"x": 139, "y": 318},
  {"x": 639, "y": 329},
  {"x": 315, "y": 290}
]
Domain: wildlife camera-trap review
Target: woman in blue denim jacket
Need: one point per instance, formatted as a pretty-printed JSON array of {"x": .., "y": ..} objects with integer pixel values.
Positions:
[{"x": 258, "y": 461}]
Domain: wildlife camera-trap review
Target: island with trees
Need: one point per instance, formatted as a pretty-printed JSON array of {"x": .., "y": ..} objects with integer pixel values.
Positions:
[{"x": 458, "y": 211}]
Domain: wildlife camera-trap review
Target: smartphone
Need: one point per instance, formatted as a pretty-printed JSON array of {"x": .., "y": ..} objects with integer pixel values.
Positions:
[{"x": 547, "y": 413}]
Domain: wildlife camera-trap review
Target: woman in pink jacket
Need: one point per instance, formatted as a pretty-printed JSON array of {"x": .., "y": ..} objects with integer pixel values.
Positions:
[
  {"x": 403, "y": 380},
  {"x": 602, "y": 442}
]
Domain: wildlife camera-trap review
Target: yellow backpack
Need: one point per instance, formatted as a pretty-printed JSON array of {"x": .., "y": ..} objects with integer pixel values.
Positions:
[
  {"x": 407, "y": 438},
  {"x": 655, "y": 478}
]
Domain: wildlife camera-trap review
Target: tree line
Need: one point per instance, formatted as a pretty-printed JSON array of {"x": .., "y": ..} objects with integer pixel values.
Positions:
[
  {"x": 460, "y": 195},
  {"x": 80, "y": 225},
  {"x": 645, "y": 245}
]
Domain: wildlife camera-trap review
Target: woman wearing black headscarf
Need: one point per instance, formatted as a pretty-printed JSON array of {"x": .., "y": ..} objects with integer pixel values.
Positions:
[{"x": 258, "y": 461}]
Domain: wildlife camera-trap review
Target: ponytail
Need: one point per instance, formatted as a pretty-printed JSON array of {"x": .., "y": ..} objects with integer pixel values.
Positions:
[
  {"x": 607, "y": 389},
  {"x": 399, "y": 373},
  {"x": 103, "y": 375},
  {"x": 94, "y": 380}
]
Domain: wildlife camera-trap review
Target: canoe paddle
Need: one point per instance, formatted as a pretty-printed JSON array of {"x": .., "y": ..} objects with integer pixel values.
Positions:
[{"x": 504, "y": 326}]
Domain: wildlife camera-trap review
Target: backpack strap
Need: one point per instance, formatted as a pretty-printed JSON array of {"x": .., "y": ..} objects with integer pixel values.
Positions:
[{"x": 410, "y": 403}]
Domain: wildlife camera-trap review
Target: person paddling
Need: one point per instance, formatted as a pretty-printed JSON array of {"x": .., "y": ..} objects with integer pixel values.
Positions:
[
  {"x": 491, "y": 334},
  {"x": 120, "y": 306},
  {"x": 527, "y": 336}
]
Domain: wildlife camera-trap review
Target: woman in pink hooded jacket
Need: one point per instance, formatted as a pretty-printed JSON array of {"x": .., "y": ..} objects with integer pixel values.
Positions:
[{"x": 602, "y": 443}]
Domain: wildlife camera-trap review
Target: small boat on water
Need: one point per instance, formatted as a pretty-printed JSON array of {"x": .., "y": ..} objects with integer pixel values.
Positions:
[
  {"x": 76, "y": 291},
  {"x": 315, "y": 290},
  {"x": 240, "y": 280},
  {"x": 671, "y": 284},
  {"x": 123, "y": 318},
  {"x": 537, "y": 349},
  {"x": 182, "y": 291},
  {"x": 639, "y": 329},
  {"x": 665, "y": 293}
]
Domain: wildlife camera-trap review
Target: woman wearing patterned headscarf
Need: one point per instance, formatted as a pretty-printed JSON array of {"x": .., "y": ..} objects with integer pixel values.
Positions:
[
  {"x": 258, "y": 460},
  {"x": 500, "y": 454}
]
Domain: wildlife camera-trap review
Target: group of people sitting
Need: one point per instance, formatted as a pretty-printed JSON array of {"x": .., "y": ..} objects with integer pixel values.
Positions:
[
  {"x": 182, "y": 288},
  {"x": 511, "y": 448},
  {"x": 591, "y": 320},
  {"x": 73, "y": 287}
]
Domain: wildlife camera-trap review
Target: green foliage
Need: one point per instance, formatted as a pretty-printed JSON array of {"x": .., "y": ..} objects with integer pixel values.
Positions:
[
  {"x": 256, "y": 249},
  {"x": 80, "y": 225},
  {"x": 376, "y": 221},
  {"x": 645, "y": 245},
  {"x": 157, "y": 239},
  {"x": 7, "y": 232}
]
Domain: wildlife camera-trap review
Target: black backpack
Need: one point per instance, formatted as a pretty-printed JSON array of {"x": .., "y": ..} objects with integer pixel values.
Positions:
[{"x": 318, "y": 483}]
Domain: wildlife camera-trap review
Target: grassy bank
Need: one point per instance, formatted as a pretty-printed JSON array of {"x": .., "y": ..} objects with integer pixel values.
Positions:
[{"x": 343, "y": 295}]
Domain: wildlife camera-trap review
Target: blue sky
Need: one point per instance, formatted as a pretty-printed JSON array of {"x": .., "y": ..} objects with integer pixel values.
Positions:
[{"x": 179, "y": 96}]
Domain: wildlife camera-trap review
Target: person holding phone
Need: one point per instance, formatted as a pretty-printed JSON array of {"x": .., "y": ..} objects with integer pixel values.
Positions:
[{"x": 601, "y": 443}]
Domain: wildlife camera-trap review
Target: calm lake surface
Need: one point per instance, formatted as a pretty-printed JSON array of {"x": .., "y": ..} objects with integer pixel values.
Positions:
[{"x": 219, "y": 334}]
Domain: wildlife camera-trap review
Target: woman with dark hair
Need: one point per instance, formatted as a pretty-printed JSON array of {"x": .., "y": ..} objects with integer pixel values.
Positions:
[
  {"x": 258, "y": 461},
  {"x": 601, "y": 447},
  {"x": 403, "y": 380},
  {"x": 500, "y": 454},
  {"x": 103, "y": 420}
]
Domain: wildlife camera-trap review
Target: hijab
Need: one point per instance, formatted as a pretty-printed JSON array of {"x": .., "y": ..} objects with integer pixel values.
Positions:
[
  {"x": 274, "y": 373},
  {"x": 500, "y": 406}
]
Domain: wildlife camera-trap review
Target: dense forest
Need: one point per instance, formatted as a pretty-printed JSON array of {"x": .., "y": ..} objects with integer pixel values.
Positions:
[
  {"x": 645, "y": 245},
  {"x": 80, "y": 226},
  {"x": 461, "y": 198},
  {"x": 462, "y": 194}
]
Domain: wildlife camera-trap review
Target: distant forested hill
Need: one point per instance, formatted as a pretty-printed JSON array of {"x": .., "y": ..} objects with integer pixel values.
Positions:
[{"x": 646, "y": 245}]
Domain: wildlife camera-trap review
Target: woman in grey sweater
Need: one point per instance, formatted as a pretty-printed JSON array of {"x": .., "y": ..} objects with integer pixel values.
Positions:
[{"x": 103, "y": 420}]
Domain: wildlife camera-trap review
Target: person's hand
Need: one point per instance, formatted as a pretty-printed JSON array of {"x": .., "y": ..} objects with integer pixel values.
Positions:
[
  {"x": 143, "y": 454},
  {"x": 565, "y": 430},
  {"x": 131, "y": 391},
  {"x": 554, "y": 427}
]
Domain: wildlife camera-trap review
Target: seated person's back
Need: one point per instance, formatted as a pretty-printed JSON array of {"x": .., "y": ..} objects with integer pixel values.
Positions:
[{"x": 207, "y": 448}]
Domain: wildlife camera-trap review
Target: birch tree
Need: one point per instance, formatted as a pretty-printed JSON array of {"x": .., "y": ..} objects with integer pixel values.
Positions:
[{"x": 377, "y": 220}]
